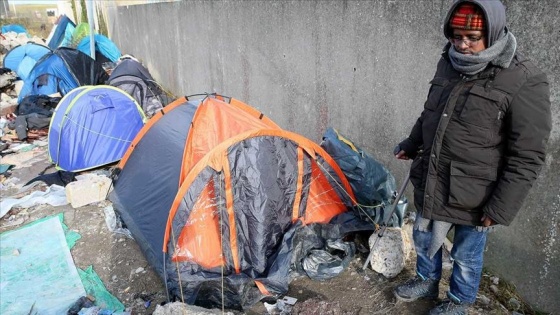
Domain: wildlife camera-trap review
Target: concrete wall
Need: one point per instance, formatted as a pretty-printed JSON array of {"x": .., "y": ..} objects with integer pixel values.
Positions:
[{"x": 362, "y": 67}]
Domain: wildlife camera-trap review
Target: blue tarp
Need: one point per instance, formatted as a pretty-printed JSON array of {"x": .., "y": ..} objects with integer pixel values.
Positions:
[
  {"x": 372, "y": 183},
  {"x": 22, "y": 59},
  {"x": 93, "y": 126},
  {"x": 14, "y": 28},
  {"x": 103, "y": 45}
]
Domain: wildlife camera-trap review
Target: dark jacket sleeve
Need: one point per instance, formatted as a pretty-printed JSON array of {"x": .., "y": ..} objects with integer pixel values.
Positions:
[
  {"x": 411, "y": 144},
  {"x": 528, "y": 124}
]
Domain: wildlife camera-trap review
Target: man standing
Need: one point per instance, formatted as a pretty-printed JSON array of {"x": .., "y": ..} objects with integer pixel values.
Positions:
[{"x": 482, "y": 135}]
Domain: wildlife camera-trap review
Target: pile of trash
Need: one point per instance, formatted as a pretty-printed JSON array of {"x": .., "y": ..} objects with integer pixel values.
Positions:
[
  {"x": 34, "y": 78},
  {"x": 10, "y": 40},
  {"x": 9, "y": 83}
]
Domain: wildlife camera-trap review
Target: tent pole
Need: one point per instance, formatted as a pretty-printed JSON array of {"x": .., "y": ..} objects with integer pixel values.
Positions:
[{"x": 89, "y": 8}]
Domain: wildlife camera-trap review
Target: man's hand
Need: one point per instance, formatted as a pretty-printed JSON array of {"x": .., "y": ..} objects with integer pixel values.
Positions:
[
  {"x": 487, "y": 221},
  {"x": 401, "y": 155}
]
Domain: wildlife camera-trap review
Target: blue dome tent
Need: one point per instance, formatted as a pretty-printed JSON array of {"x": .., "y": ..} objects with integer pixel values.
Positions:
[
  {"x": 93, "y": 126},
  {"x": 50, "y": 75},
  {"x": 21, "y": 59},
  {"x": 103, "y": 45},
  {"x": 61, "y": 71}
]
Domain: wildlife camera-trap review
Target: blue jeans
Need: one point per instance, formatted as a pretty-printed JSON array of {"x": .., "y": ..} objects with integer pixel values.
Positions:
[{"x": 467, "y": 253}]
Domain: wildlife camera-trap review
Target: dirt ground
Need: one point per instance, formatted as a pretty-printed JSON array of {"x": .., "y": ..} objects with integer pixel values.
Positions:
[{"x": 126, "y": 274}]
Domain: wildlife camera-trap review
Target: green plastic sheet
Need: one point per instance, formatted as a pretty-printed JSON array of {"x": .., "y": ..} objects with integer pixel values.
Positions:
[
  {"x": 37, "y": 271},
  {"x": 38, "y": 275},
  {"x": 95, "y": 287}
]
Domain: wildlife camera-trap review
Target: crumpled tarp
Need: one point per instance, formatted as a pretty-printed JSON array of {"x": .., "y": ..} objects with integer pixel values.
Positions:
[
  {"x": 37, "y": 270},
  {"x": 95, "y": 287},
  {"x": 54, "y": 195},
  {"x": 373, "y": 185}
]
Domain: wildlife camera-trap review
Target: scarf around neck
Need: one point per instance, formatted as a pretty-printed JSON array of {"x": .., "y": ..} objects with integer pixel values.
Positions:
[{"x": 500, "y": 54}]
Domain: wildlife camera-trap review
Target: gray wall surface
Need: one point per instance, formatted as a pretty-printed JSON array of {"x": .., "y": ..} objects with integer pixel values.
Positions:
[{"x": 361, "y": 67}]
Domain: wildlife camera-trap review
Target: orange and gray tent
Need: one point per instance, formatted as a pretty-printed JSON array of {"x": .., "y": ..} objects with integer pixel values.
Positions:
[{"x": 211, "y": 190}]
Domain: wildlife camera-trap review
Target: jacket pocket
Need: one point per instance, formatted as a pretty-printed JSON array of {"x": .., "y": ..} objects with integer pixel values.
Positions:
[
  {"x": 434, "y": 95},
  {"x": 484, "y": 107},
  {"x": 470, "y": 186}
]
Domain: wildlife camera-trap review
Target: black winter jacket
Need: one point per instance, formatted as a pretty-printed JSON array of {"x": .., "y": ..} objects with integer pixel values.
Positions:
[{"x": 483, "y": 139}]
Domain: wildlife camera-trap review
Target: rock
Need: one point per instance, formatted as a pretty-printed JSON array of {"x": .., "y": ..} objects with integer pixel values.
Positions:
[
  {"x": 514, "y": 304},
  {"x": 494, "y": 289},
  {"x": 7, "y": 79},
  {"x": 495, "y": 280},
  {"x": 7, "y": 108},
  {"x": 181, "y": 308},
  {"x": 17, "y": 87},
  {"x": 87, "y": 190},
  {"x": 484, "y": 300},
  {"x": 389, "y": 253}
]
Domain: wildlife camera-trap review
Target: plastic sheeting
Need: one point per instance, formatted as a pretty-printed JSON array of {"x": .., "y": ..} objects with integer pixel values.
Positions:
[
  {"x": 95, "y": 287},
  {"x": 324, "y": 264},
  {"x": 373, "y": 185},
  {"x": 14, "y": 28},
  {"x": 271, "y": 183},
  {"x": 314, "y": 250},
  {"x": 36, "y": 269},
  {"x": 53, "y": 195}
]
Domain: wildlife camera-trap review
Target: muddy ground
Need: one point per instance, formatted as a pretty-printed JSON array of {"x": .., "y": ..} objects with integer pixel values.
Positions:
[{"x": 126, "y": 274}]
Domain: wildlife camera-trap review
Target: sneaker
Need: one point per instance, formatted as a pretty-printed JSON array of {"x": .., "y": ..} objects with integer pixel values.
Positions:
[
  {"x": 449, "y": 307},
  {"x": 417, "y": 288}
]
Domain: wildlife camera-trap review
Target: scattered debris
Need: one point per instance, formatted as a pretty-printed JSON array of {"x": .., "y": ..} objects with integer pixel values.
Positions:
[
  {"x": 317, "y": 307},
  {"x": 82, "y": 302},
  {"x": 113, "y": 223},
  {"x": 53, "y": 195}
]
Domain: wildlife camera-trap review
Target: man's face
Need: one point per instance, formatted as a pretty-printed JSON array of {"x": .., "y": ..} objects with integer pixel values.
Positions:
[{"x": 468, "y": 42}]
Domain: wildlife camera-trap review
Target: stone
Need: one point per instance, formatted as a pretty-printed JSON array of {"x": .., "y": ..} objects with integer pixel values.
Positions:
[
  {"x": 484, "y": 300},
  {"x": 7, "y": 108},
  {"x": 18, "y": 85},
  {"x": 87, "y": 190},
  {"x": 182, "y": 308},
  {"x": 494, "y": 289},
  {"x": 7, "y": 79},
  {"x": 391, "y": 251},
  {"x": 514, "y": 304}
]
